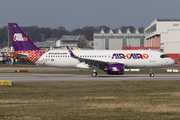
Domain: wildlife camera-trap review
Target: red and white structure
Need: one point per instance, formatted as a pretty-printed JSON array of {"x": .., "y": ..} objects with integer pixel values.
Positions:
[{"x": 165, "y": 34}]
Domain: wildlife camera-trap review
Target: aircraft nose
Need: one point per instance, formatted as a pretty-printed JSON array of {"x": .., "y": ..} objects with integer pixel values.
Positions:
[{"x": 172, "y": 62}]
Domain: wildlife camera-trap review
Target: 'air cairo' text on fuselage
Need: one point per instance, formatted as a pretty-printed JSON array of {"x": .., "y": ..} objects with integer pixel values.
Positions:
[{"x": 130, "y": 56}]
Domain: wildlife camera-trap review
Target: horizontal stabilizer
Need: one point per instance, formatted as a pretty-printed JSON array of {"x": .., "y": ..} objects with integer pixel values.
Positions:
[{"x": 21, "y": 55}]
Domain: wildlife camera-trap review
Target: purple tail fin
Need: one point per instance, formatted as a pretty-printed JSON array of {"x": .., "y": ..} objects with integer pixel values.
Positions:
[{"x": 19, "y": 39}]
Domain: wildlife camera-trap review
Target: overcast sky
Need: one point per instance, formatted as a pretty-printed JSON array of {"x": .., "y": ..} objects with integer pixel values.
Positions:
[{"x": 74, "y": 14}]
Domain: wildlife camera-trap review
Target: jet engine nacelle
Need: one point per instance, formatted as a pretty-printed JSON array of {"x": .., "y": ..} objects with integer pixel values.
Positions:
[{"x": 116, "y": 68}]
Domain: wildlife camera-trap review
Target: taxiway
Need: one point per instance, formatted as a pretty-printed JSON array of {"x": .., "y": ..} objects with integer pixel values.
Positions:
[{"x": 36, "y": 77}]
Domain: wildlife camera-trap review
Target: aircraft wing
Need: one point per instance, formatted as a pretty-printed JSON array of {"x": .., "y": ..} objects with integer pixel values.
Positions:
[{"x": 91, "y": 62}]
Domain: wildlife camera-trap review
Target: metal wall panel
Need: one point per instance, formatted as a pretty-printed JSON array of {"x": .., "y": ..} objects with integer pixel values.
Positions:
[
  {"x": 115, "y": 44},
  {"x": 99, "y": 44},
  {"x": 133, "y": 42}
]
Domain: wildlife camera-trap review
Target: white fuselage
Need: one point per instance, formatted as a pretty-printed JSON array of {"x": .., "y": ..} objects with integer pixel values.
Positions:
[{"x": 137, "y": 58}]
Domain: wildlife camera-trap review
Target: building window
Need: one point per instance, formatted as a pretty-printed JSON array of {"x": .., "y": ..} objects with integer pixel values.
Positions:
[
  {"x": 107, "y": 44},
  {"x": 150, "y": 30},
  {"x": 153, "y": 28}
]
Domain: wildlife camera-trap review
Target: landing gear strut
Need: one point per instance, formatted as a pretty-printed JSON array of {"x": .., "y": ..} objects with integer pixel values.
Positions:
[
  {"x": 94, "y": 73},
  {"x": 151, "y": 73}
]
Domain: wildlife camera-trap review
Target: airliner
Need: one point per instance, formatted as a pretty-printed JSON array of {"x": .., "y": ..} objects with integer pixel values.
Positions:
[{"x": 113, "y": 62}]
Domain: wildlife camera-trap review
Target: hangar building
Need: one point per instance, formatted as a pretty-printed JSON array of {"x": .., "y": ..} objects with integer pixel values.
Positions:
[
  {"x": 115, "y": 40},
  {"x": 73, "y": 41},
  {"x": 165, "y": 34}
]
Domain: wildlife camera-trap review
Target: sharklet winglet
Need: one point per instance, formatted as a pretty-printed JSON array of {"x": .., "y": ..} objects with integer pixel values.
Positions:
[{"x": 71, "y": 53}]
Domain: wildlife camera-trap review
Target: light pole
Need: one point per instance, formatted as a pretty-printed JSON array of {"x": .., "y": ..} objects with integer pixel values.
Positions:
[
  {"x": 8, "y": 37},
  {"x": 42, "y": 37},
  {"x": 4, "y": 42}
]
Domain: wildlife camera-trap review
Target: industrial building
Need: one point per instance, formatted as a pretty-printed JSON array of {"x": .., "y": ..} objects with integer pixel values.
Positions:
[
  {"x": 3, "y": 58},
  {"x": 48, "y": 44},
  {"x": 165, "y": 34},
  {"x": 73, "y": 41},
  {"x": 115, "y": 40}
]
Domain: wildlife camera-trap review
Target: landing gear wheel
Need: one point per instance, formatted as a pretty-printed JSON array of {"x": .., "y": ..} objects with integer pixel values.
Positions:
[
  {"x": 151, "y": 74},
  {"x": 94, "y": 74}
]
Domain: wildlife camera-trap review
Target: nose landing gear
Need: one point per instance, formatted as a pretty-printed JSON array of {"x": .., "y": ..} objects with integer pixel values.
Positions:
[{"x": 151, "y": 73}]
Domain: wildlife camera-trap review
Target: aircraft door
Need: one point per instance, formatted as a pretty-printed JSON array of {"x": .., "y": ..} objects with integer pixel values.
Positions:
[
  {"x": 152, "y": 56},
  {"x": 44, "y": 60}
]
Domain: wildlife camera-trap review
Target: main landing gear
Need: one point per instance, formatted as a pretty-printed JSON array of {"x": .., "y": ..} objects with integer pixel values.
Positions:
[
  {"x": 94, "y": 73},
  {"x": 151, "y": 73}
]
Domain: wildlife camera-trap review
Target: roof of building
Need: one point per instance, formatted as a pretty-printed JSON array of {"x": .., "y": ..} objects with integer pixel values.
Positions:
[
  {"x": 45, "y": 44},
  {"x": 51, "y": 39},
  {"x": 168, "y": 19},
  {"x": 125, "y": 30},
  {"x": 70, "y": 37}
]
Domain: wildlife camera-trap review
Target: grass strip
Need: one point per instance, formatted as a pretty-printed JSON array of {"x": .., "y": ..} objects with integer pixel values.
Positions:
[{"x": 91, "y": 100}]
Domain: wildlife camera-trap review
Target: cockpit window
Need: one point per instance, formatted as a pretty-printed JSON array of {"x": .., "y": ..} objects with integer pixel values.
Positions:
[{"x": 163, "y": 56}]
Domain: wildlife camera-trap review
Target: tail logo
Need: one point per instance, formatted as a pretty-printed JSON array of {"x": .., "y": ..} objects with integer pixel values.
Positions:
[{"x": 19, "y": 37}]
